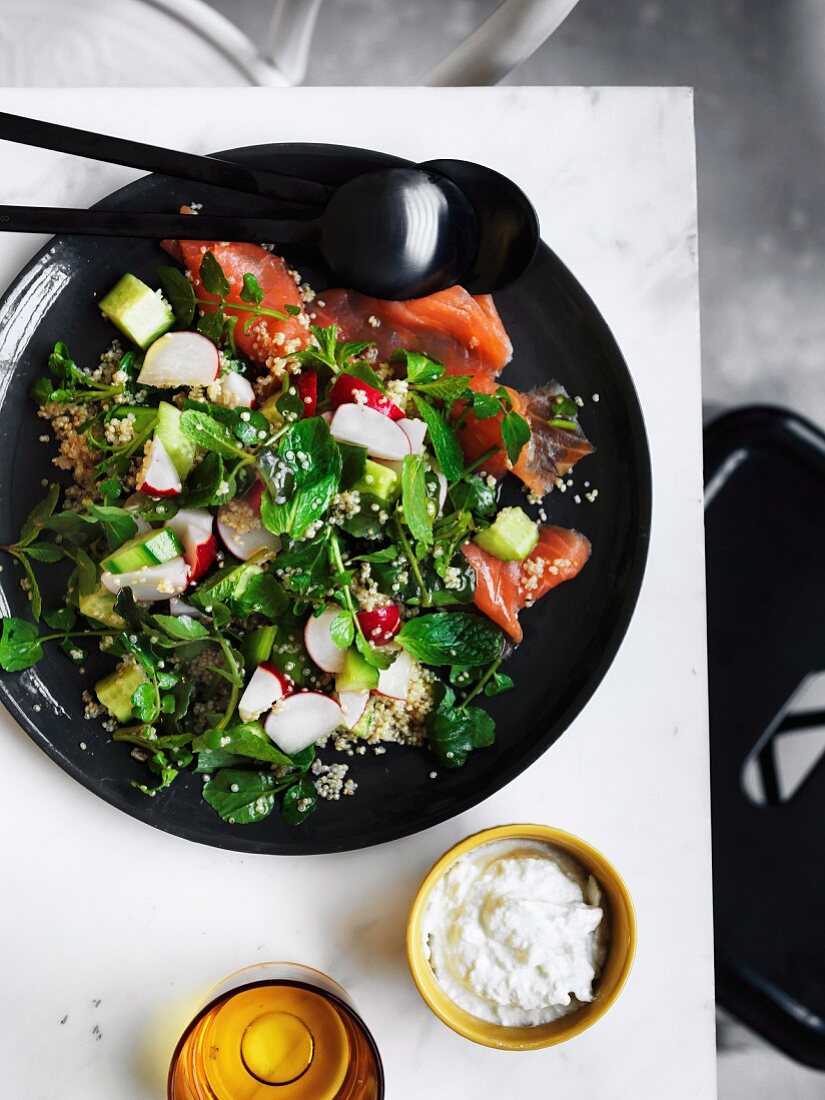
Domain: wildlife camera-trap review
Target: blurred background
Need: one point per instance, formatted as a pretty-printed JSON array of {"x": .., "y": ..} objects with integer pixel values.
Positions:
[{"x": 759, "y": 79}]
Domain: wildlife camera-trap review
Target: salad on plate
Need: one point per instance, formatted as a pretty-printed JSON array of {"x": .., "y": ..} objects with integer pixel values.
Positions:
[{"x": 283, "y": 530}]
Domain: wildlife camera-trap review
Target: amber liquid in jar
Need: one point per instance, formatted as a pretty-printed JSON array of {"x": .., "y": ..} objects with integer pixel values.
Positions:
[{"x": 277, "y": 1039}]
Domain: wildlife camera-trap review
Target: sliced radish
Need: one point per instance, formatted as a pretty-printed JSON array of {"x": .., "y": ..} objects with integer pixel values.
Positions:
[
  {"x": 353, "y": 704},
  {"x": 245, "y": 544},
  {"x": 236, "y": 392},
  {"x": 416, "y": 432},
  {"x": 381, "y": 624},
  {"x": 307, "y": 385},
  {"x": 318, "y": 640},
  {"x": 180, "y": 607},
  {"x": 153, "y": 582},
  {"x": 159, "y": 478},
  {"x": 364, "y": 427},
  {"x": 267, "y": 685},
  {"x": 347, "y": 389},
  {"x": 193, "y": 526},
  {"x": 300, "y": 720},
  {"x": 394, "y": 682},
  {"x": 442, "y": 489},
  {"x": 327, "y": 416},
  {"x": 180, "y": 359}
]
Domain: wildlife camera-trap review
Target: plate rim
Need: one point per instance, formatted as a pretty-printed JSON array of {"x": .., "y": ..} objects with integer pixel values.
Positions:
[{"x": 236, "y": 841}]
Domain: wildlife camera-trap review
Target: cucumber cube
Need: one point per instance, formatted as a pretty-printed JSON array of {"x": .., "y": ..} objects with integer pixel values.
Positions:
[
  {"x": 150, "y": 548},
  {"x": 115, "y": 691},
  {"x": 180, "y": 449},
  {"x": 258, "y": 644},
  {"x": 511, "y": 537},
  {"x": 139, "y": 313},
  {"x": 357, "y": 674},
  {"x": 381, "y": 481},
  {"x": 100, "y": 606}
]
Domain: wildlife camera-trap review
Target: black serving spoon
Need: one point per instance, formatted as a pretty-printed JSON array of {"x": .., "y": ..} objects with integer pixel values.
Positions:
[{"x": 395, "y": 233}]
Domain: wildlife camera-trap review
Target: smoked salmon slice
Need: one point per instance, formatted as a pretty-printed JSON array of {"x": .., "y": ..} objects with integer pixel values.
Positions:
[
  {"x": 550, "y": 452},
  {"x": 503, "y": 588},
  {"x": 268, "y": 339},
  {"x": 463, "y": 332}
]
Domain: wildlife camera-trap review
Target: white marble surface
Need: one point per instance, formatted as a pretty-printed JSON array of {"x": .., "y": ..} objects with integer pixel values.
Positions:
[{"x": 97, "y": 906}]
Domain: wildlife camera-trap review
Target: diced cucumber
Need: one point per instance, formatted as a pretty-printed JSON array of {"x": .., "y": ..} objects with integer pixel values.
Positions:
[
  {"x": 227, "y": 584},
  {"x": 137, "y": 310},
  {"x": 270, "y": 411},
  {"x": 511, "y": 537},
  {"x": 363, "y": 725},
  {"x": 257, "y": 646},
  {"x": 115, "y": 691},
  {"x": 150, "y": 548},
  {"x": 381, "y": 481},
  {"x": 100, "y": 606},
  {"x": 357, "y": 674},
  {"x": 180, "y": 449}
]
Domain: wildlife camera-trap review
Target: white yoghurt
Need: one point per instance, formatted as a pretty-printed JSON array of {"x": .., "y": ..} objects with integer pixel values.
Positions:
[{"x": 515, "y": 933}]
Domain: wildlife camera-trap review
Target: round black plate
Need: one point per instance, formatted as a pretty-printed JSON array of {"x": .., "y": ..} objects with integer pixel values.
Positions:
[{"x": 570, "y": 638}]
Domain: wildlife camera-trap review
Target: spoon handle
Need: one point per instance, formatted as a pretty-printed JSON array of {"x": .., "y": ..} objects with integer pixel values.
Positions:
[
  {"x": 169, "y": 162},
  {"x": 118, "y": 223}
]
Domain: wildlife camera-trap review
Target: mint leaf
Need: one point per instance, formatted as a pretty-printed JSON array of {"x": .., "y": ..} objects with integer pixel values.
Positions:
[
  {"x": 42, "y": 510},
  {"x": 118, "y": 524},
  {"x": 485, "y": 405},
  {"x": 179, "y": 293},
  {"x": 182, "y": 627},
  {"x": 414, "y": 499},
  {"x": 420, "y": 368},
  {"x": 245, "y": 739},
  {"x": 451, "y": 637},
  {"x": 515, "y": 432},
  {"x": 261, "y": 595},
  {"x": 210, "y": 434},
  {"x": 203, "y": 484},
  {"x": 445, "y": 442},
  {"x": 310, "y": 454},
  {"x": 447, "y": 389}
]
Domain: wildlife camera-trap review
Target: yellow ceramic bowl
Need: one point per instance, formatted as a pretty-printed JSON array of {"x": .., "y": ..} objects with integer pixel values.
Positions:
[{"x": 620, "y": 951}]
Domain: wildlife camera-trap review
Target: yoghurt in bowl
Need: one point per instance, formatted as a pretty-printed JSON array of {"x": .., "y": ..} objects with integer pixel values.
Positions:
[{"x": 521, "y": 937}]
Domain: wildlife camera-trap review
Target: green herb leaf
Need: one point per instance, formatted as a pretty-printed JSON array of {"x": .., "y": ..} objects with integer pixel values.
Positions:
[
  {"x": 342, "y": 630},
  {"x": 299, "y": 801},
  {"x": 74, "y": 529},
  {"x": 445, "y": 441},
  {"x": 452, "y": 733},
  {"x": 44, "y": 551},
  {"x": 448, "y": 388},
  {"x": 262, "y": 595},
  {"x": 565, "y": 406},
  {"x": 212, "y": 276},
  {"x": 515, "y": 432},
  {"x": 378, "y": 658},
  {"x": 445, "y": 637},
  {"x": 145, "y": 702},
  {"x": 385, "y": 554},
  {"x": 313, "y": 458},
  {"x": 245, "y": 739},
  {"x": 19, "y": 645},
  {"x": 241, "y": 797},
  {"x": 210, "y": 434},
  {"x": 473, "y": 494},
  {"x": 182, "y": 627},
  {"x": 41, "y": 391},
  {"x": 303, "y": 567},
  {"x": 179, "y": 293},
  {"x": 62, "y": 619},
  {"x": 364, "y": 373},
  {"x": 251, "y": 290},
  {"x": 203, "y": 484},
  {"x": 414, "y": 499},
  {"x": 485, "y": 405},
  {"x": 118, "y": 524},
  {"x": 420, "y": 368},
  {"x": 211, "y": 325},
  {"x": 41, "y": 511},
  {"x": 498, "y": 683}
]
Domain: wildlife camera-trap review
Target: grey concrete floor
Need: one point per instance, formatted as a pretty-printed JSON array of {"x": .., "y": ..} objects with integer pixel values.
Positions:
[{"x": 759, "y": 77}]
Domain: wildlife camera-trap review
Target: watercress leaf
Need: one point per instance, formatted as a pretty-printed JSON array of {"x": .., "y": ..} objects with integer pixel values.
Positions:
[
  {"x": 262, "y": 595},
  {"x": 211, "y": 325},
  {"x": 145, "y": 703},
  {"x": 473, "y": 494},
  {"x": 41, "y": 391},
  {"x": 245, "y": 739},
  {"x": 342, "y": 630},
  {"x": 159, "y": 764},
  {"x": 448, "y": 388},
  {"x": 444, "y": 440},
  {"x": 62, "y": 619},
  {"x": 19, "y": 645},
  {"x": 485, "y": 405},
  {"x": 443, "y": 637},
  {"x": 41, "y": 511},
  {"x": 498, "y": 683},
  {"x": 504, "y": 397},
  {"x": 179, "y": 293},
  {"x": 118, "y": 524},
  {"x": 251, "y": 291},
  {"x": 212, "y": 276},
  {"x": 420, "y": 368},
  {"x": 299, "y": 801},
  {"x": 203, "y": 483},
  {"x": 209, "y": 433},
  {"x": 565, "y": 406},
  {"x": 183, "y": 627},
  {"x": 414, "y": 499},
  {"x": 241, "y": 797},
  {"x": 44, "y": 551},
  {"x": 210, "y": 762},
  {"x": 453, "y": 733},
  {"x": 314, "y": 460},
  {"x": 515, "y": 432},
  {"x": 110, "y": 489}
]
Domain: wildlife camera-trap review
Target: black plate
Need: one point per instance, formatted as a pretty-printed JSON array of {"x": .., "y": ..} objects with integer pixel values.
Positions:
[{"x": 570, "y": 639}]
